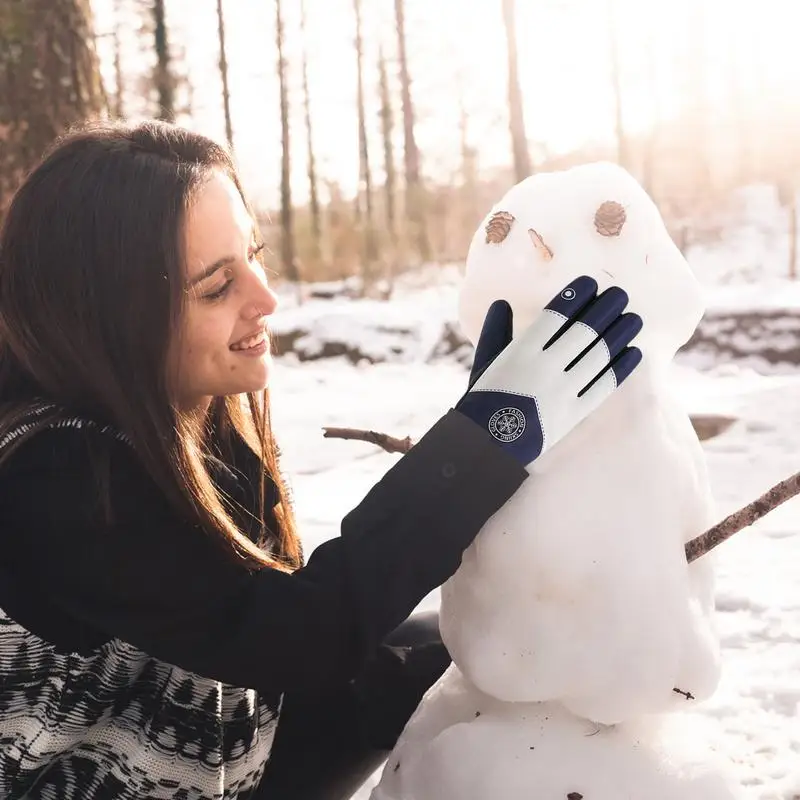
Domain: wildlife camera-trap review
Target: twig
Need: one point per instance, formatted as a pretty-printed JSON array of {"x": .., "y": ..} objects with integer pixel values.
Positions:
[
  {"x": 389, "y": 443},
  {"x": 695, "y": 548},
  {"x": 744, "y": 517}
]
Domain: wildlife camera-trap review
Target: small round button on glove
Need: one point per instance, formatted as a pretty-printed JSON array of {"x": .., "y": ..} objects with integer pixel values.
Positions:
[{"x": 529, "y": 392}]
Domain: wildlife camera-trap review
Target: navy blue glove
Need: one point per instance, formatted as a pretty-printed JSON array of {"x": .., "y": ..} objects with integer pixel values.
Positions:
[{"x": 529, "y": 392}]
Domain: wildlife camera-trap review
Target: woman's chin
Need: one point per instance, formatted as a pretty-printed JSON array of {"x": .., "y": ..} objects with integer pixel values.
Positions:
[
  {"x": 252, "y": 376},
  {"x": 258, "y": 376}
]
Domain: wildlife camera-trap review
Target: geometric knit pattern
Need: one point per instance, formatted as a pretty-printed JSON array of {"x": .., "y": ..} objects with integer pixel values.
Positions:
[{"x": 116, "y": 724}]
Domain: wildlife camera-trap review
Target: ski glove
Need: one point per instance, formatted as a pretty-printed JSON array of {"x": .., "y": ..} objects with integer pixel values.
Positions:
[{"x": 531, "y": 391}]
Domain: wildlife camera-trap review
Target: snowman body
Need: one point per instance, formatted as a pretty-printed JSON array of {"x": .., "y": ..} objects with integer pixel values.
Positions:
[{"x": 581, "y": 638}]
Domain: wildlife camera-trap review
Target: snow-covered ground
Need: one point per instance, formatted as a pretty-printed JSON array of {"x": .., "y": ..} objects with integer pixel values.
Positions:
[
  {"x": 757, "y": 707},
  {"x": 758, "y": 704}
]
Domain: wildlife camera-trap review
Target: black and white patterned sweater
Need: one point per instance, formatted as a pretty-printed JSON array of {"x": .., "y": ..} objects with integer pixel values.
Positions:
[{"x": 137, "y": 660}]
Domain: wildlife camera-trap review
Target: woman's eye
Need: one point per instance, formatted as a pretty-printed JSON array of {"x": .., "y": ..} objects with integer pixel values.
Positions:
[{"x": 221, "y": 292}]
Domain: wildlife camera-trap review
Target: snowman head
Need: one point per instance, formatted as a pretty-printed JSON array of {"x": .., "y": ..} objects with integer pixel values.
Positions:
[{"x": 595, "y": 220}]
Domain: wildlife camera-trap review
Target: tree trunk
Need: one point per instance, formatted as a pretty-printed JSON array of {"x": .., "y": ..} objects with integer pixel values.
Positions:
[
  {"x": 316, "y": 214},
  {"x": 119, "y": 88},
  {"x": 49, "y": 77},
  {"x": 792, "y": 210},
  {"x": 364, "y": 200},
  {"x": 739, "y": 55},
  {"x": 223, "y": 71},
  {"x": 623, "y": 155},
  {"x": 651, "y": 137},
  {"x": 699, "y": 115},
  {"x": 287, "y": 231},
  {"x": 469, "y": 212},
  {"x": 390, "y": 180},
  {"x": 415, "y": 199},
  {"x": 519, "y": 140},
  {"x": 163, "y": 78}
]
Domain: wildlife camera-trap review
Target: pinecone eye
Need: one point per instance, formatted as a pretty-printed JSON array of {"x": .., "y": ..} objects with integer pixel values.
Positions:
[
  {"x": 498, "y": 227},
  {"x": 609, "y": 218}
]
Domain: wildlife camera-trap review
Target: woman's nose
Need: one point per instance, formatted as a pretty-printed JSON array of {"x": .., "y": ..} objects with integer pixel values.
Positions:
[{"x": 262, "y": 301}]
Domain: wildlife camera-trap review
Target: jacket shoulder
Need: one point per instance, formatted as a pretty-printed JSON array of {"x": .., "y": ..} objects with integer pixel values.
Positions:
[{"x": 64, "y": 441}]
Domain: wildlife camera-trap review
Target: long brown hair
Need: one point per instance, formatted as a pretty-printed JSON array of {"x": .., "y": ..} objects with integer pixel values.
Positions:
[{"x": 91, "y": 292}]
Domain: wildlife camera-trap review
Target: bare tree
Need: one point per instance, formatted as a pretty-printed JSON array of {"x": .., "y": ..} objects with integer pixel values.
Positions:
[
  {"x": 469, "y": 211},
  {"x": 519, "y": 140},
  {"x": 313, "y": 191},
  {"x": 223, "y": 71},
  {"x": 415, "y": 211},
  {"x": 119, "y": 81},
  {"x": 739, "y": 54},
  {"x": 651, "y": 140},
  {"x": 699, "y": 110},
  {"x": 390, "y": 179},
  {"x": 49, "y": 77},
  {"x": 364, "y": 201},
  {"x": 623, "y": 155},
  {"x": 287, "y": 227},
  {"x": 787, "y": 197},
  {"x": 793, "y": 234},
  {"x": 162, "y": 77}
]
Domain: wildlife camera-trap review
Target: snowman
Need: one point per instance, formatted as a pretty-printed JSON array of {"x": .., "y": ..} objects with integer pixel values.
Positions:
[{"x": 581, "y": 638}]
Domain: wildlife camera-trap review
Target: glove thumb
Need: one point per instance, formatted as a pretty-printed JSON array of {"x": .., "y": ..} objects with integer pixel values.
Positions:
[{"x": 495, "y": 337}]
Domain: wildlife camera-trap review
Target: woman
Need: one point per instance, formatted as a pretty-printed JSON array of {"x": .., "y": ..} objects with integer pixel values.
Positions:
[{"x": 157, "y": 619}]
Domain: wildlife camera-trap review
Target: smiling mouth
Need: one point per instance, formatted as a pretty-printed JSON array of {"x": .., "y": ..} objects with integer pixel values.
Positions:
[
  {"x": 608, "y": 273},
  {"x": 251, "y": 342}
]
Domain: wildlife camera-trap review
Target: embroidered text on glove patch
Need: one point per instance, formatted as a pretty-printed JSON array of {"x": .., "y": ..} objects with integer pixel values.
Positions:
[{"x": 507, "y": 424}]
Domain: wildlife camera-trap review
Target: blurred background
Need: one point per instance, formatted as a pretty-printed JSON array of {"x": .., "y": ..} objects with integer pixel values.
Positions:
[{"x": 373, "y": 135}]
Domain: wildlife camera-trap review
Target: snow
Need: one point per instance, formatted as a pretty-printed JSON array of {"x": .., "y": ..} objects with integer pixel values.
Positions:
[
  {"x": 756, "y": 707},
  {"x": 406, "y": 329},
  {"x": 520, "y": 747},
  {"x": 577, "y": 589},
  {"x": 753, "y": 715}
]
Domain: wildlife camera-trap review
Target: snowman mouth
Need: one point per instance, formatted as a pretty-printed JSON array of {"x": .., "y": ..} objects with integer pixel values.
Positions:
[{"x": 248, "y": 343}]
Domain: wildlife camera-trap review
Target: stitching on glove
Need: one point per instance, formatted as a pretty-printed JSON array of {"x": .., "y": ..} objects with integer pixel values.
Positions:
[
  {"x": 505, "y": 391},
  {"x": 558, "y": 314},
  {"x": 589, "y": 328},
  {"x": 601, "y": 340}
]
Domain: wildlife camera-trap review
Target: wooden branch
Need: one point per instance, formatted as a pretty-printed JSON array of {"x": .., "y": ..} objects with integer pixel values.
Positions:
[
  {"x": 389, "y": 443},
  {"x": 744, "y": 517},
  {"x": 695, "y": 548}
]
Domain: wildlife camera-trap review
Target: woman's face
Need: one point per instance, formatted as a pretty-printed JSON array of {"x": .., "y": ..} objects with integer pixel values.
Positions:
[{"x": 222, "y": 347}]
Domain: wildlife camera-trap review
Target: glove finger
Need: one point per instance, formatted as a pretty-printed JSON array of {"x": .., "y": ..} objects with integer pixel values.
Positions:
[
  {"x": 590, "y": 324},
  {"x": 590, "y": 363},
  {"x": 605, "y": 309},
  {"x": 495, "y": 337},
  {"x": 604, "y": 386},
  {"x": 559, "y": 313}
]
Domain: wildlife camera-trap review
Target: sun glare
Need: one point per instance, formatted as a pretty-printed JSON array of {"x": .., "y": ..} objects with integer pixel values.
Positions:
[{"x": 567, "y": 50}]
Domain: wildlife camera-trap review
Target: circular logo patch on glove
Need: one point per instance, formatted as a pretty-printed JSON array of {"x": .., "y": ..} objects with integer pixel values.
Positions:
[{"x": 507, "y": 424}]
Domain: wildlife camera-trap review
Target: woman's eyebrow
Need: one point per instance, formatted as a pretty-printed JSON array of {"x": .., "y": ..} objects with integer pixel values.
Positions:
[
  {"x": 222, "y": 262},
  {"x": 211, "y": 269}
]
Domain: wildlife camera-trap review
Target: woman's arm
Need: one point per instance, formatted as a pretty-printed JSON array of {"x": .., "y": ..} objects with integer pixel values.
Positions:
[{"x": 166, "y": 587}]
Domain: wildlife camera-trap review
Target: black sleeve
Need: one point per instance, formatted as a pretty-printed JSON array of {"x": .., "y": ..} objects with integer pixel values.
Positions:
[{"x": 167, "y": 588}]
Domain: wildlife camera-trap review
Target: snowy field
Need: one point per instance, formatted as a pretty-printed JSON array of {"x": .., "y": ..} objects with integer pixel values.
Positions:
[
  {"x": 757, "y": 707},
  {"x": 758, "y": 704}
]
